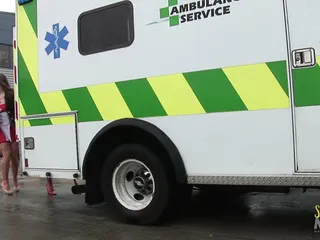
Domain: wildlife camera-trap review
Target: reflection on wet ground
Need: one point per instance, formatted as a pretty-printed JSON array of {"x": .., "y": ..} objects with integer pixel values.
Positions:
[{"x": 31, "y": 214}]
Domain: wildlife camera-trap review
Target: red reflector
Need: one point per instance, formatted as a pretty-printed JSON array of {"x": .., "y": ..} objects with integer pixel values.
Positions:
[
  {"x": 26, "y": 162},
  {"x": 15, "y": 44},
  {"x": 16, "y": 110},
  {"x": 15, "y": 74}
]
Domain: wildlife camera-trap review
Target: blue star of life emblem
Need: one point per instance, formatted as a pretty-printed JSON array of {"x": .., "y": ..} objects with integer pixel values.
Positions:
[{"x": 56, "y": 40}]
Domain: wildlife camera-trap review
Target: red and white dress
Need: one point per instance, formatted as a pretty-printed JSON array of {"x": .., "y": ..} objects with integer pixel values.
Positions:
[{"x": 7, "y": 130}]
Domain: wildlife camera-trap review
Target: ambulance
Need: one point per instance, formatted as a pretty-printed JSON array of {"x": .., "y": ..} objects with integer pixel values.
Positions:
[{"x": 142, "y": 100}]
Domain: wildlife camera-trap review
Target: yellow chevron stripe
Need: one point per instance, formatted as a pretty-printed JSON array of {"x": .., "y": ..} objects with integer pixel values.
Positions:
[
  {"x": 15, "y": 86},
  {"x": 56, "y": 102},
  {"x": 15, "y": 89},
  {"x": 28, "y": 44},
  {"x": 109, "y": 101},
  {"x": 23, "y": 113},
  {"x": 63, "y": 120},
  {"x": 318, "y": 60},
  {"x": 175, "y": 95},
  {"x": 53, "y": 101},
  {"x": 14, "y": 57},
  {"x": 257, "y": 87},
  {"x": 16, "y": 122}
]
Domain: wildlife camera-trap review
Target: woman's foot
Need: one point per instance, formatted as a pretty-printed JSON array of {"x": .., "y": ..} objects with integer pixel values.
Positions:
[
  {"x": 6, "y": 187},
  {"x": 16, "y": 185}
]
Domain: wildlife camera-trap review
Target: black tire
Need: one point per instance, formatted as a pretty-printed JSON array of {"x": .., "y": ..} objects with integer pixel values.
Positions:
[
  {"x": 159, "y": 205},
  {"x": 182, "y": 196}
]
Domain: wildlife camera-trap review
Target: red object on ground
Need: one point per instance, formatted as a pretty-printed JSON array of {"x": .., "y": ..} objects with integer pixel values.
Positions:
[{"x": 49, "y": 187}]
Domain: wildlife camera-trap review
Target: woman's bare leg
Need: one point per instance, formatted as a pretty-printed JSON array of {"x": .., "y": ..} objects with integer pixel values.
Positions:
[
  {"x": 15, "y": 164},
  {"x": 6, "y": 159}
]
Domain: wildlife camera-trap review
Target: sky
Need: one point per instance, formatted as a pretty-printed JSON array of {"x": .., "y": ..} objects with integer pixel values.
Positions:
[{"x": 7, "y": 5}]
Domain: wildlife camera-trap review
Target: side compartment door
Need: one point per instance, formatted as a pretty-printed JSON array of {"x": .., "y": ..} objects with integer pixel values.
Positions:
[
  {"x": 304, "y": 34},
  {"x": 51, "y": 148}
]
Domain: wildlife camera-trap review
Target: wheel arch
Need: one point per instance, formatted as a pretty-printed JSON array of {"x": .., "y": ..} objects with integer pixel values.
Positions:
[{"x": 125, "y": 131}]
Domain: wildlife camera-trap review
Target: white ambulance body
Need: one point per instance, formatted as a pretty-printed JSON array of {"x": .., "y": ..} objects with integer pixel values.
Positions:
[{"x": 143, "y": 98}]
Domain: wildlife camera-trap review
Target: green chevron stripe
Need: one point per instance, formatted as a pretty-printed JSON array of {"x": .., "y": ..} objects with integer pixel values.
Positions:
[
  {"x": 29, "y": 95},
  {"x": 279, "y": 70},
  {"x": 212, "y": 88},
  {"x": 214, "y": 91},
  {"x": 31, "y": 11},
  {"x": 140, "y": 98},
  {"x": 81, "y": 100},
  {"x": 306, "y": 84}
]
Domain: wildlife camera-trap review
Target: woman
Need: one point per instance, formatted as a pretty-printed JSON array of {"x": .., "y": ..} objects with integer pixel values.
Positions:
[{"x": 8, "y": 144}]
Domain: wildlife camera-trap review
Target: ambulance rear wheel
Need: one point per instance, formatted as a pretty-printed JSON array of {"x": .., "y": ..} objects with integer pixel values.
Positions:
[{"x": 135, "y": 183}]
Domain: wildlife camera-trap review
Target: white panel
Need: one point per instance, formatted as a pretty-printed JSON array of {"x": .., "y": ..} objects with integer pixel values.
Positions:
[
  {"x": 304, "y": 20},
  {"x": 308, "y": 138},
  {"x": 252, "y": 142},
  {"x": 253, "y": 32},
  {"x": 236, "y": 143},
  {"x": 304, "y": 23},
  {"x": 55, "y": 147}
]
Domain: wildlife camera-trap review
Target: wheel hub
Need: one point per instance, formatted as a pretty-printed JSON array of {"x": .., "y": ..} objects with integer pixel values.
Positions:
[
  {"x": 133, "y": 184},
  {"x": 139, "y": 183},
  {"x": 143, "y": 182}
]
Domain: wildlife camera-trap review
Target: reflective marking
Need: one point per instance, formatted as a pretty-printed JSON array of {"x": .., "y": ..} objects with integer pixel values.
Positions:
[
  {"x": 28, "y": 45},
  {"x": 109, "y": 101},
  {"x": 175, "y": 95},
  {"x": 56, "y": 102},
  {"x": 63, "y": 120},
  {"x": 257, "y": 87},
  {"x": 23, "y": 113}
]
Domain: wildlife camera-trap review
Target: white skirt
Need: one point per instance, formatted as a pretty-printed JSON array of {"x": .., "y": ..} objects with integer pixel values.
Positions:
[{"x": 5, "y": 125}]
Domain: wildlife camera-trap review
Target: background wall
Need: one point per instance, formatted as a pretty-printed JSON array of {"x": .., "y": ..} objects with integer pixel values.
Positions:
[{"x": 7, "y": 21}]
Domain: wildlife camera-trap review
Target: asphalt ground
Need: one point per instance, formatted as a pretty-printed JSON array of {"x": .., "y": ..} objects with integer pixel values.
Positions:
[{"x": 31, "y": 214}]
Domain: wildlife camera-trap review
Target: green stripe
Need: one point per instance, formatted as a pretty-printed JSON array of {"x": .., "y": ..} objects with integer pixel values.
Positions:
[
  {"x": 31, "y": 11},
  {"x": 279, "y": 70},
  {"x": 29, "y": 95},
  {"x": 212, "y": 88},
  {"x": 141, "y": 98},
  {"x": 81, "y": 100},
  {"x": 306, "y": 83},
  {"x": 214, "y": 91}
]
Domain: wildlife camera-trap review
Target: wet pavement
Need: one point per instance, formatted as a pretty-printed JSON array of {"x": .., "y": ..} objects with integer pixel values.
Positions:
[{"x": 31, "y": 214}]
